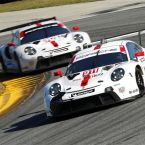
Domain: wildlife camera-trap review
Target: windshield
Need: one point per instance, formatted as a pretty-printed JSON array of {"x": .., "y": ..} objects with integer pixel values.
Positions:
[
  {"x": 96, "y": 61},
  {"x": 43, "y": 33}
]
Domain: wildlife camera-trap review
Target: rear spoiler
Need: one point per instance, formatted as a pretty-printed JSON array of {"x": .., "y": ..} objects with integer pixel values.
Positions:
[
  {"x": 105, "y": 40},
  {"x": 27, "y": 24}
]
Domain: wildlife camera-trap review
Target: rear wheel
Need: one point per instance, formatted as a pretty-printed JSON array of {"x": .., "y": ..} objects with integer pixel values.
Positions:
[{"x": 139, "y": 81}]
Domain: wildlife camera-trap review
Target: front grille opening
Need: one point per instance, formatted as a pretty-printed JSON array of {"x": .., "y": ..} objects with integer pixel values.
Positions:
[{"x": 83, "y": 104}]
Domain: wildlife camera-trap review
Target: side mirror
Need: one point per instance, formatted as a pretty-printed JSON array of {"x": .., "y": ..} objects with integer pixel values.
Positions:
[
  {"x": 76, "y": 28},
  {"x": 58, "y": 73},
  {"x": 138, "y": 54},
  {"x": 11, "y": 43}
]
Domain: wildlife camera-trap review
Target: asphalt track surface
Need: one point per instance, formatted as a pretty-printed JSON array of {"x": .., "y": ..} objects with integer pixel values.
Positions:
[{"x": 122, "y": 124}]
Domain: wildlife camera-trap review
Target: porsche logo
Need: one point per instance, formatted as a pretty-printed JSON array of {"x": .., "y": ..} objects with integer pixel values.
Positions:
[{"x": 2, "y": 88}]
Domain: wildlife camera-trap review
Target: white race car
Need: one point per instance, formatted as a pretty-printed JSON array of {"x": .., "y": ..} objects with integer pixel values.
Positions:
[
  {"x": 40, "y": 45},
  {"x": 101, "y": 75}
]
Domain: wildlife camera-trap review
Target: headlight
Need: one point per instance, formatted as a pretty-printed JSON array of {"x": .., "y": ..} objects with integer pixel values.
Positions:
[
  {"x": 55, "y": 89},
  {"x": 30, "y": 50},
  {"x": 78, "y": 38},
  {"x": 117, "y": 74}
]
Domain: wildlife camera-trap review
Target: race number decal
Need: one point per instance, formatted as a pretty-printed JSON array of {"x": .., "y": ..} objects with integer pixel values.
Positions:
[{"x": 92, "y": 71}]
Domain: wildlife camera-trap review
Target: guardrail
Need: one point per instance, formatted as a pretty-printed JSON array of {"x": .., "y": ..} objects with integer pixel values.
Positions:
[{"x": 119, "y": 37}]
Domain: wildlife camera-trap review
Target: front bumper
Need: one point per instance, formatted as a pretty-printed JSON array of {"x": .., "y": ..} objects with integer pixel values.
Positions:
[{"x": 59, "y": 107}]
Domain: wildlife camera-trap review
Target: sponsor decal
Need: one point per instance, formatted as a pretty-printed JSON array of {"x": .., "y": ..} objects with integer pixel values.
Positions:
[
  {"x": 85, "y": 55},
  {"x": 122, "y": 90},
  {"x": 83, "y": 93},
  {"x": 58, "y": 50},
  {"x": 133, "y": 91},
  {"x": 142, "y": 59},
  {"x": 96, "y": 75},
  {"x": 108, "y": 50}
]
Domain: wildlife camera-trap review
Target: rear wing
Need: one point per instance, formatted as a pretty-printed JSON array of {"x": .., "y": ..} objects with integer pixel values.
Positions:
[
  {"x": 27, "y": 24},
  {"x": 110, "y": 39}
]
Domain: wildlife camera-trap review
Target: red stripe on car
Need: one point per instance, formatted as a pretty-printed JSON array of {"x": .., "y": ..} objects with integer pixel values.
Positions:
[
  {"x": 54, "y": 43},
  {"x": 122, "y": 49},
  {"x": 22, "y": 34},
  {"x": 98, "y": 46},
  {"x": 85, "y": 80},
  {"x": 60, "y": 25},
  {"x": 39, "y": 25}
]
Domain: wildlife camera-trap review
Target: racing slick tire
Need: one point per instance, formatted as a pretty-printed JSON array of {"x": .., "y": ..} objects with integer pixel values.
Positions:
[
  {"x": 139, "y": 81},
  {"x": 18, "y": 62},
  {"x": 2, "y": 63}
]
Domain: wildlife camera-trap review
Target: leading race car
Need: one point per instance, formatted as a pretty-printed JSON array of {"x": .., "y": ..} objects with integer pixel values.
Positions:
[
  {"x": 41, "y": 45},
  {"x": 101, "y": 75}
]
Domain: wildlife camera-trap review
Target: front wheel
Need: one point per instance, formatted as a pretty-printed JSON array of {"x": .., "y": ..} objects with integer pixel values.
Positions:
[
  {"x": 139, "y": 81},
  {"x": 18, "y": 62},
  {"x": 3, "y": 64}
]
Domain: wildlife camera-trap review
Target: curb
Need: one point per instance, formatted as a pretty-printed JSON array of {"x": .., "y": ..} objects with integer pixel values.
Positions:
[{"x": 14, "y": 92}]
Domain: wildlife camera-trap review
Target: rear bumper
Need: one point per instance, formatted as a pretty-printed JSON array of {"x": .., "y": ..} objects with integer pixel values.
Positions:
[{"x": 59, "y": 107}]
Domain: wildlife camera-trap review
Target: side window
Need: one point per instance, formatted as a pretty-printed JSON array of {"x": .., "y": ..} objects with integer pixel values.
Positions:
[{"x": 132, "y": 49}]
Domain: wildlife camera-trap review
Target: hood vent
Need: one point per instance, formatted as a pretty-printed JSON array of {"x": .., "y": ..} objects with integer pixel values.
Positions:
[
  {"x": 72, "y": 76},
  {"x": 36, "y": 42},
  {"x": 107, "y": 67}
]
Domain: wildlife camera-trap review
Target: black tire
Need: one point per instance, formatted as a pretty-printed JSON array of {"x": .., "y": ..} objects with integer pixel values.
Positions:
[
  {"x": 140, "y": 82},
  {"x": 18, "y": 62},
  {"x": 3, "y": 64}
]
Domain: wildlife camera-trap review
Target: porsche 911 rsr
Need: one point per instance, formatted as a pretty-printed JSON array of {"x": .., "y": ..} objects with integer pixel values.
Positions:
[
  {"x": 98, "y": 76},
  {"x": 42, "y": 45}
]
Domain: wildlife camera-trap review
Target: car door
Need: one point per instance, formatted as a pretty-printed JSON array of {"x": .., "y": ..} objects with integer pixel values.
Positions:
[{"x": 132, "y": 49}]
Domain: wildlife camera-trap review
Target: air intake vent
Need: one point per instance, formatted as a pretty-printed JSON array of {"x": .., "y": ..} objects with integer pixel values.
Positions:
[{"x": 36, "y": 42}]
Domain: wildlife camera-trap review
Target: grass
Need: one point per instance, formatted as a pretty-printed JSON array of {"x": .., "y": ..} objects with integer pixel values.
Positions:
[{"x": 33, "y": 4}]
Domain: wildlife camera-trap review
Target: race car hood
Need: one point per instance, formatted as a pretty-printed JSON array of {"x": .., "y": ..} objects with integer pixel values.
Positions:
[
  {"x": 86, "y": 79},
  {"x": 48, "y": 45},
  {"x": 54, "y": 42}
]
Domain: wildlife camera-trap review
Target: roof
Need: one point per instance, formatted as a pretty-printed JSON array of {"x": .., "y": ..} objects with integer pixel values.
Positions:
[
  {"x": 109, "y": 47},
  {"x": 38, "y": 25}
]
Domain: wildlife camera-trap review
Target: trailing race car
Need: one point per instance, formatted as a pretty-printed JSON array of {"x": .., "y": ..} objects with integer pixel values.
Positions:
[
  {"x": 101, "y": 75},
  {"x": 41, "y": 44}
]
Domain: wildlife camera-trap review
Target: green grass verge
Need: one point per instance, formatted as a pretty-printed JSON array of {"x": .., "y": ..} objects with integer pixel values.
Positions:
[{"x": 33, "y": 4}]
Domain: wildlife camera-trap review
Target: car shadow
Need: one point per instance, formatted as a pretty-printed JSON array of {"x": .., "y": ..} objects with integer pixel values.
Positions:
[
  {"x": 39, "y": 118},
  {"x": 9, "y": 76}
]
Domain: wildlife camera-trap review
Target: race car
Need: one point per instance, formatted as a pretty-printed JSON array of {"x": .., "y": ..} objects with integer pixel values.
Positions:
[
  {"x": 102, "y": 75},
  {"x": 41, "y": 45}
]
